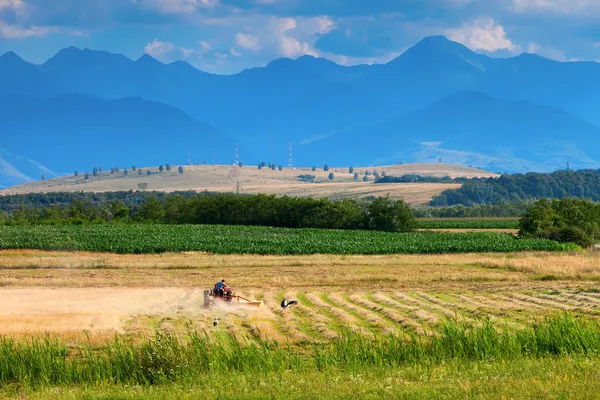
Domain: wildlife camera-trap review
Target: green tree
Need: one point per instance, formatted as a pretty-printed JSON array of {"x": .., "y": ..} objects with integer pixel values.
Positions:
[
  {"x": 331, "y": 176},
  {"x": 365, "y": 178},
  {"x": 326, "y": 167},
  {"x": 280, "y": 168},
  {"x": 161, "y": 168},
  {"x": 148, "y": 172},
  {"x": 140, "y": 172},
  {"x": 117, "y": 209},
  {"x": 314, "y": 168},
  {"x": 385, "y": 214},
  {"x": 240, "y": 164},
  {"x": 87, "y": 176},
  {"x": 95, "y": 171},
  {"x": 351, "y": 170},
  {"x": 133, "y": 167},
  {"x": 168, "y": 167},
  {"x": 3, "y": 217},
  {"x": 180, "y": 169},
  {"x": 126, "y": 172},
  {"x": 151, "y": 210},
  {"x": 260, "y": 166},
  {"x": 76, "y": 173},
  {"x": 356, "y": 176}
]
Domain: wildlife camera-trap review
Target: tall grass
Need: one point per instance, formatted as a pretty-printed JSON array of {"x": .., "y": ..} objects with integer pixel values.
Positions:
[{"x": 167, "y": 358}]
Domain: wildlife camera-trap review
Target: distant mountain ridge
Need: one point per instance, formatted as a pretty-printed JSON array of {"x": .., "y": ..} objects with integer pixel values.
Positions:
[
  {"x": 304, "y": 100},
  {"x": 76, "y": 132}
]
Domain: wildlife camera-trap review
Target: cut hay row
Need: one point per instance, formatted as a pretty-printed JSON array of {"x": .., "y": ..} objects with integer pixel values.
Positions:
[
  {"x": 374, "y": 322},
  {"x": 546, "y": 303},
  {"x": 424, "y": 322},
  {"x": 405, "y": 322},
  {"x": 339, "y": 315},
  {"x": 427, "y": 308}
]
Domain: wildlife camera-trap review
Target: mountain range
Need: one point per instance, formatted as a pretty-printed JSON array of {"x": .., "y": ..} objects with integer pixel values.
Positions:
[{"x": 82, "y": 108}]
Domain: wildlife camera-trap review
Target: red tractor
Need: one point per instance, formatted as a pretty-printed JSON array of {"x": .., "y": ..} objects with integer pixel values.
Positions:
[{"x": 227, "y": 296}]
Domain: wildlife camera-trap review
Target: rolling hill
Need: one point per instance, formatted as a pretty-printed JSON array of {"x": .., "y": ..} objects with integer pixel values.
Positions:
[{"x": 222, "y": 178}]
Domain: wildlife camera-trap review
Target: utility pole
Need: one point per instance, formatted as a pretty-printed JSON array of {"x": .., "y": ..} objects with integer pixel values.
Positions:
[
  {"x": 237, "y": 155},
  {"x": 290, "y": 158}
]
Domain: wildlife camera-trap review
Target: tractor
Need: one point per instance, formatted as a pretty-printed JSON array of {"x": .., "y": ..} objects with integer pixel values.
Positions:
[{"x": 227, "y": 296}]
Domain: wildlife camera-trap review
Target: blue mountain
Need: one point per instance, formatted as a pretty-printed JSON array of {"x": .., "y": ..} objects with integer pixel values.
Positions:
[
  {"x": 308, "y": 98},
  {"x": 80, "y": 132}
]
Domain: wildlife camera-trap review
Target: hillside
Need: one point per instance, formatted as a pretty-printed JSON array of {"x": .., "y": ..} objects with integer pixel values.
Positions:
[
  {"x": 472, "y": 128},
  {"x": 220, "y": 178},
  {"x": 75, "y": 132}
]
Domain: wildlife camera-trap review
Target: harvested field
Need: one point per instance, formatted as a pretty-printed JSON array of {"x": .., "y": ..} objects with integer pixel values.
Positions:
[{"x": 67, "y": 293}]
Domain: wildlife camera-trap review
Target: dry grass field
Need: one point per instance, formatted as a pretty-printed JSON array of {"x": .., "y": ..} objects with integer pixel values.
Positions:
[
  {"x": 219, "y": 178},
  {"x": 70, "y": 293}
]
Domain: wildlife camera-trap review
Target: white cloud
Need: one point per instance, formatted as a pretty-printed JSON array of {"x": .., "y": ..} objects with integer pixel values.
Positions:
[
  {"x": 160, "y": 50},
  {"x": 205, "y": 45},
  {"x": 247, "y": 41},
  {"x": 17, "y": 32},
  {"x": 291, "y": 47},
  {"x": 482, "y": 34},
  {"x": 557, "y": 6},
  {"x": 176, "y": 6},
  {"x": 547, "y": 52}
]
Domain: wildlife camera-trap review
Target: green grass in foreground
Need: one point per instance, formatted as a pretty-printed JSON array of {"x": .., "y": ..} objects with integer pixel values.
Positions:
[
  {"x": 547, "y": 378},
  {"x": 468, "y": 223},
  {"x": 259, "y": 240},
  {"x": 167, "y": 359}
]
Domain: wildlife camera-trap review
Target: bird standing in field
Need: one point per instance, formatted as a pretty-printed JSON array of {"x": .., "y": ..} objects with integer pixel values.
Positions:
[
  {"x": 286, "y": 304},
  {"x": 216, "y": 321}
]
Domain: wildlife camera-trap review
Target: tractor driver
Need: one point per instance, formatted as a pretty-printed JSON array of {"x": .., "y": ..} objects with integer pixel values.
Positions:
[{"x": 220, "y": 288}]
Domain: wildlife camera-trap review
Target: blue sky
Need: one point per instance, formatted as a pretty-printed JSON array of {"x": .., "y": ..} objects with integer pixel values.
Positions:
[{"x": 226, "y": 36}]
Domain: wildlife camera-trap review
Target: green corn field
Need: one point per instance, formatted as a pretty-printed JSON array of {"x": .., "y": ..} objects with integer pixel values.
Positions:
[{"x": 141, "y": 239}]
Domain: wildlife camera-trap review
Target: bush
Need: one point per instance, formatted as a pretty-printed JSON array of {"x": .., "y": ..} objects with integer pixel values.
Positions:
[
  {"x": 180, "y": 169},
  {"x": 351, "y": 170},
  {"x": 566, "y": 220},
  {"x": 314, "y": 168},
  {"x": 331, "y": 176},
  {"x": 326, "y": 168},
  {"x": 571, "y": 234},
  {"x": 161, "y": 168},
  {"x": 356, "y": 176},
  {"x": 307, "y": 178},
  {"x": 365, "y": 178},
  {"x": 385, "y": 214}
]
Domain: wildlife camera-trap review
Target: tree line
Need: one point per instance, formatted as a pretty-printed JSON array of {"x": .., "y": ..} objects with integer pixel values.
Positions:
[
  {"x": 523, "y": 187},
  {"x": 565, "y": 220},
  {"x": 383, "y": 214},
  {"x": 413, "y": 178}
]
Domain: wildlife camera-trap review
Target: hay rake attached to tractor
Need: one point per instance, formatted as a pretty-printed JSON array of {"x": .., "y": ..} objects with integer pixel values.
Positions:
[{"x": 227, "y": 296}]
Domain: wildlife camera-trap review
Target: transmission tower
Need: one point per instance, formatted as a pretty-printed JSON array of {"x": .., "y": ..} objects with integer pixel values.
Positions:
[
  {"x": 291, "y": 158},
  {"x": 237, "y": 155}
]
